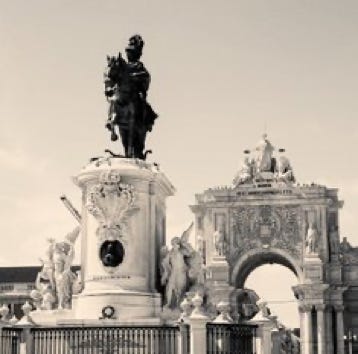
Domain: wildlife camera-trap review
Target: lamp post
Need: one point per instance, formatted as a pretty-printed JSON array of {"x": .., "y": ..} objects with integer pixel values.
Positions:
[{"x": 350, "y": 338}]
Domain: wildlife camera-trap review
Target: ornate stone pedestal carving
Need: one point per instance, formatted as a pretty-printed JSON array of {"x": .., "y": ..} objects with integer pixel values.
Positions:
[{"x": 123, "y": 229}]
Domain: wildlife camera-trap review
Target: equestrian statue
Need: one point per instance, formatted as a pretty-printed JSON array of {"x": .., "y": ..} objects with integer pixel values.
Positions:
[{"x": 126, "y": 84}]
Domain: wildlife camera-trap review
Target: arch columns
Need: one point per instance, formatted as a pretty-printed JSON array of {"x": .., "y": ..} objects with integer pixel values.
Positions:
[
  {"x": 306, "y": 335},
  {"x": 339, "y": 328},
  {"x": 321, "y": 329},
  {"x": 313, "y": 328}
]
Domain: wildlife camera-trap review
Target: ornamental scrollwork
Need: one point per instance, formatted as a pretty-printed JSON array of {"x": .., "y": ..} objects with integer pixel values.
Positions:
[
  {"x": 267, "y": 226},
  {"x": 111, "y": 202}
]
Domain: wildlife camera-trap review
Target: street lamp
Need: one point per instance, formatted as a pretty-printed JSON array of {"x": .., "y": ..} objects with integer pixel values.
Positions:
[{"x": 350, "y": 338}]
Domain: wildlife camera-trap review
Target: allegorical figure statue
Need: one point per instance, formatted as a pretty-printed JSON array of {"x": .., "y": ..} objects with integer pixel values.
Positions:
[
  {"x": 246, "y": 172},
  {"x": 181, "y": 269},
  {"x": 284, "y": 169},
  {"x": 311, "y": 239},
  {"x": 55, "y": 282},
  {"x": 264, "y": 151},
  {"x": 220, "y": 243},
  {"x": 348, "y": 253},
  {"x": 44, "y": 292},
  {"x": 126, "y": 86},
  {"x": 63, "y": 255}
]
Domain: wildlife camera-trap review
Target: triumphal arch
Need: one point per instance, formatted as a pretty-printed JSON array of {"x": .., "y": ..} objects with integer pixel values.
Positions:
[{"x": 266, "y": 216}]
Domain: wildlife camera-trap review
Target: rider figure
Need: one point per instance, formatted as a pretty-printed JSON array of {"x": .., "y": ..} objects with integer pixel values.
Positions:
[{"x": 139, "y": 75}]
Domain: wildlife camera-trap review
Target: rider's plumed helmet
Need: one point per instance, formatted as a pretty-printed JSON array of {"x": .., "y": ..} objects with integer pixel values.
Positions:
[{"x": 135, "y": 44}]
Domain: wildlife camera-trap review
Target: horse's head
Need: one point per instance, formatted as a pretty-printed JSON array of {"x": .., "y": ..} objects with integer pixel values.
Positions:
[
  {"x": 111, "y": 61},
  {"x": 116, "y": 68}
]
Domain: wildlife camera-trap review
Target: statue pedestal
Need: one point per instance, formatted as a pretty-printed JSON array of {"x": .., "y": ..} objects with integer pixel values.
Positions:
[
  {"x": 123, "y": 230},
  {"x": 313, "y": 268},
  {"x": 217, "y": 281}
]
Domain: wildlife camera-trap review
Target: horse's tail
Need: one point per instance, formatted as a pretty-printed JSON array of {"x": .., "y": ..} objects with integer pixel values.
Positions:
[{"x": 147, "y": 152}]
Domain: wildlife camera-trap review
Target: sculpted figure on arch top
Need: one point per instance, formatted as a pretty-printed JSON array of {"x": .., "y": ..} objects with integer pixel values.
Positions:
[
  {"x": 264, "y": 165},
  {"x": 264, "y": 151}
]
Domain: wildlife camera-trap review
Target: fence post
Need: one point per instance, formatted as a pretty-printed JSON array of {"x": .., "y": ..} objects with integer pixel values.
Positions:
[
  {"x": 26, "y": 340},
  {"x": 183, "y": 338},
  {"x": 26, "y": 323},
  {"x": 198, "y": 321},
  {"x": 263, "y": 336}
]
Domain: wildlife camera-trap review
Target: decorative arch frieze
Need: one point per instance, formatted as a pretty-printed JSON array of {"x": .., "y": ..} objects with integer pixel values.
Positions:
[{"x": 265, "y": 227}]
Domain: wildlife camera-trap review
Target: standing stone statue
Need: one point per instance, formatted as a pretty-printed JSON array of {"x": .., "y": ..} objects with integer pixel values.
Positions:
[
  {"x": 311, "y": 240},
  {"x": 181, "y": 270},
  {"x": 174, "y": 274},
  {"x": 44, "y": 292},
  {"x": 63, "y": 256},
  {"x": 220, "y": 243},
  {"x": 348, "y": 253},
  {"x": 333, "y": 239},
  {"x": 264, "y": 151},
  {"x": 126, "y": 86},
  {"x": 55, "y": 283}
]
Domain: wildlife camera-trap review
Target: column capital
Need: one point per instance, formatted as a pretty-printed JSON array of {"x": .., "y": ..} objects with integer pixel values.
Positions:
[
  {"x": 304, "y": 308},
  {"x": 339, "y": 308},
  {"x": 320, "y": 307}
]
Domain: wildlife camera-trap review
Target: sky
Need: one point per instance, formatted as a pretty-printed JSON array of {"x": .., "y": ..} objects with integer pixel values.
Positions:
[{"x": 222, "y": 74}]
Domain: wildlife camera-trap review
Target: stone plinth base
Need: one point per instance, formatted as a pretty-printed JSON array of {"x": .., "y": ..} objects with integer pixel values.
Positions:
[
  {"x": 110, "y": 323},
  {"x": 313, "y": 269},
  {"x": 218, "y": 282},
  {"x": 128, "y": 305},
  {"x": 50, "y": 317},
  {"x": 122, "y": 220}
]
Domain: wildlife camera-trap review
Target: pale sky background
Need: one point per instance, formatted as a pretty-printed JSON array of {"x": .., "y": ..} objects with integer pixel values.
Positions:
[{"x": 221, "y": 72}]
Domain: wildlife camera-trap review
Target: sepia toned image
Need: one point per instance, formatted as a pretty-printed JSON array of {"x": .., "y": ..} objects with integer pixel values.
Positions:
[{"x": 179, "y": 177}]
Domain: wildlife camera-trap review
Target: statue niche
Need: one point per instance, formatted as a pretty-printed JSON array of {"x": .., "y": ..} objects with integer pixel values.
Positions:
[{"x": 112, "y": 253}]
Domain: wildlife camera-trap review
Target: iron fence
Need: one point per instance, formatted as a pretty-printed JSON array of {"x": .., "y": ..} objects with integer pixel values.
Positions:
[
  {"x": 230, "y": 338},
  {"x": 10, "y": 340},
  {"x": 106, "y": 340}
]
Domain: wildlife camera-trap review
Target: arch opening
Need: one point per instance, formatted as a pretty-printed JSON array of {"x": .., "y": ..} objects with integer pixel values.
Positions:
[
  {"x": 256, "y": 258},
  {"x": 273, "y": 284}
]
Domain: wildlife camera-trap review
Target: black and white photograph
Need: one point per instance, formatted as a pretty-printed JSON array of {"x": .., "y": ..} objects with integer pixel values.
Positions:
[{"x": 179, "y": 177}]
